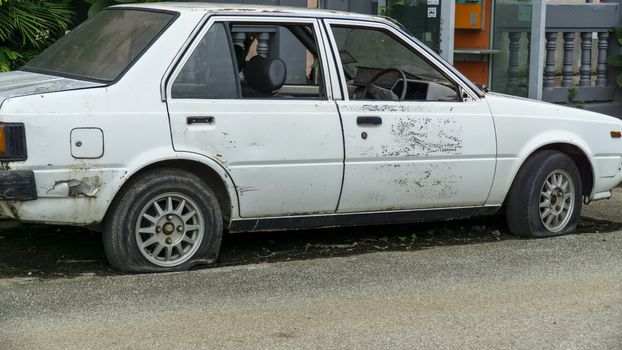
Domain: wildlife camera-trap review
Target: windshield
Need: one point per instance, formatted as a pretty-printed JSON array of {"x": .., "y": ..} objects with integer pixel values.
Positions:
[{"x": 103, "y": 47}]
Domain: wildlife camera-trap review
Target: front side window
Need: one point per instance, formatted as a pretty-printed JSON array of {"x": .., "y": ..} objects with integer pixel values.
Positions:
[
  {"x": 378, "y": 66},
  {"x": 103, "y": 47}
]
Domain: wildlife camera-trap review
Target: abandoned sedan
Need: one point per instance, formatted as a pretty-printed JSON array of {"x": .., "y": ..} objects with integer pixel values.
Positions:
[{"x": 165, "y": 125}]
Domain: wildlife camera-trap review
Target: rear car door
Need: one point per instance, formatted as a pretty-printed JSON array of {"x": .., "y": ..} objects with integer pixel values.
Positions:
[
  {"x": 434, "y": 148},
  {"x": 281, "y": 142}
]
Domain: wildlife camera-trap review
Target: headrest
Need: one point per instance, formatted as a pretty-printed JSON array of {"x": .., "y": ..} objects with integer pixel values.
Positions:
[{"x": 265, "y": 75}]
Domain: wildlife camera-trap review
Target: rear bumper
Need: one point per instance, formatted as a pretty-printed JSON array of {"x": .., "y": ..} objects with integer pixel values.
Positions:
[{"x": 17, "y": 185}]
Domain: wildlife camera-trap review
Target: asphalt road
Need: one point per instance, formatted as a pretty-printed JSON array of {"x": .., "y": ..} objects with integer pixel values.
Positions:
[
  {"x": 558, "y": 293},
  {"x": 610, "y": 210}
]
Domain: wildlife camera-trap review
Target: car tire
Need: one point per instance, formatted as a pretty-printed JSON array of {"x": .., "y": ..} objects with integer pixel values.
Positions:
[
  {"x": 545, "y": 198},
  {"x": 164, "y": 220}
]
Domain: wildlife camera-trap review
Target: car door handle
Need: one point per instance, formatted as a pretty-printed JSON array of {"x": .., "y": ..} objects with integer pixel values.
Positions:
[
  {"x": 368, "y": 120},
  {"x": 200, "y": 120}
]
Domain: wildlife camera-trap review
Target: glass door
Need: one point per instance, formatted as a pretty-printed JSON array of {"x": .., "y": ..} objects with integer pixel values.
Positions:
[
  {"x": 420, "y": 17},
  {"x": 512, "y": 37}
]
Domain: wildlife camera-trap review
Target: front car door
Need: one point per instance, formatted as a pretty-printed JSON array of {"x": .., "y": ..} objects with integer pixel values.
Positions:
[
  {"x": 430, "y": 146},
  {"x": 279, "y": 137}
]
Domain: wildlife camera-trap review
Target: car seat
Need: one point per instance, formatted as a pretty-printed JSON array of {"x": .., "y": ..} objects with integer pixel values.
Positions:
[{"x": 265, "y": 76}]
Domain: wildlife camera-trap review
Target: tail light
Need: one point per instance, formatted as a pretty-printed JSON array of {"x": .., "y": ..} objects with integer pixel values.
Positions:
[{"x": 12, "y": 141}]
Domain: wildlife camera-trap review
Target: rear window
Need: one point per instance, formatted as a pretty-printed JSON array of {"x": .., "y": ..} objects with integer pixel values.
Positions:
[{"x": 103, "y": 47}]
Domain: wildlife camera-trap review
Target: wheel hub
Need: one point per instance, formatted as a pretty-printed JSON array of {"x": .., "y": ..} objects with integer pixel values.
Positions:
[
  {"x": 169, "y": 229},
  {"x": 557, "y": 200}
]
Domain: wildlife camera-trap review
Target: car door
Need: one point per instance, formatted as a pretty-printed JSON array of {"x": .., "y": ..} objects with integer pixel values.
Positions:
[
  {"x": 282, "y": 149},
  {"x": 434, "y": 149}
]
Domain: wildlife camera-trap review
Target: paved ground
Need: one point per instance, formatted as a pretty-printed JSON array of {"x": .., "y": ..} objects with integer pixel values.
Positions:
[
  {"x": 610, "y": 210},
  {"x": 561, "y": 293},
  {"x": 558, "y": 293}
]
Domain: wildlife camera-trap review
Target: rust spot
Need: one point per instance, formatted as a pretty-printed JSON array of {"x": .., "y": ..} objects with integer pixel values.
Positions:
[{"x": 87, "y": 187}]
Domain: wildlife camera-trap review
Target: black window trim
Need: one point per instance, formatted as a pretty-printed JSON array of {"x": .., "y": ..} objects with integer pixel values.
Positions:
[
  {"x": 175, "y": 14},
  {"x": 234, "y": 59},
  {"x": 179, "y": 57}
]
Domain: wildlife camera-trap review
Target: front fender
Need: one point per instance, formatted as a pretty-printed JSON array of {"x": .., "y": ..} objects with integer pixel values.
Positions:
[{"x": 508, "y": 164}]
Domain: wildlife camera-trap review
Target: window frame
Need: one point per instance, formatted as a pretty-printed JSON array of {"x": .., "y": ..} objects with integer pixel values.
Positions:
[
  {"x": 207, "y": 23},
  {"x": 404, "y": 40}
]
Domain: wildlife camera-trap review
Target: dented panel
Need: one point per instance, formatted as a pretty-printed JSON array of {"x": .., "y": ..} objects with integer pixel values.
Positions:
[{"x": 87, "y": 187}]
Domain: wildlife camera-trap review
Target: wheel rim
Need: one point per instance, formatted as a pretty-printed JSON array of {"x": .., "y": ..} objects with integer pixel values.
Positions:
[
  {"x": 557, "y": 200},
  {"x": 169, "y": 229}
]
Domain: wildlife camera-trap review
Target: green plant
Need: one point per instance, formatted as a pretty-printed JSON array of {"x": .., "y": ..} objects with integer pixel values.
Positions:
[
  {"x": 572, "y": 94},
  {"x": 616, "y": 61},
  {"x": 29, "y": 26},
  {"x": 8, "y": 58}
]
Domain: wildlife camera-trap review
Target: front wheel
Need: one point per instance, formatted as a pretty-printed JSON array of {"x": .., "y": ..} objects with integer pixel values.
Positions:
[
  {"x": 545, "y": 198},
  {"x": 166, "y": 220}
]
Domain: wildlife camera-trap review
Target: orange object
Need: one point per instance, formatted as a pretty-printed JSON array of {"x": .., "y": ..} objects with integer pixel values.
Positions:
[
  {"x": 469, "y": 16},
  {"x": 475, "y": 71},
  {"x": 474, "y": 39}
]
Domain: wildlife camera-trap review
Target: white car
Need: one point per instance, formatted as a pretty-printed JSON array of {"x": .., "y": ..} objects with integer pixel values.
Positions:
[{"x": 165, "y": 125}]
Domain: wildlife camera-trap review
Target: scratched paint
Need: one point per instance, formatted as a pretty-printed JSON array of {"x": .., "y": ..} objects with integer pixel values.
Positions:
[{"x": 424, "y": 136}]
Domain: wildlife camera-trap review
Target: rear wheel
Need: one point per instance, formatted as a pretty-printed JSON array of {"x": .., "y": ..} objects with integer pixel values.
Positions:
[
  {"x": 545, "y": 198},
  {"x": 166, "y": 220}
]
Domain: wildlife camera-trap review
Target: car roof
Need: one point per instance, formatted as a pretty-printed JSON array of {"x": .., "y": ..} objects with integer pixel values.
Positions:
[{"x": 248, "y": 9}]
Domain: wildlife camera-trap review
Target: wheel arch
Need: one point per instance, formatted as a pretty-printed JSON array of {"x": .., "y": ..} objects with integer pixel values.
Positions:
[
  {"x": 523, "y": 203},
  {"x": 212, "y": 175},
  {"x": 510, "y": 163},
  {"x": 578, "y": 156}
]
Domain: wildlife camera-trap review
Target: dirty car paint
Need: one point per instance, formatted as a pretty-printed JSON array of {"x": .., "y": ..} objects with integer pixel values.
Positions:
[
  {"x": 424, "y": 136},
  {"x": 423, "y": 154},
  {"x": 19, "y": 83}
]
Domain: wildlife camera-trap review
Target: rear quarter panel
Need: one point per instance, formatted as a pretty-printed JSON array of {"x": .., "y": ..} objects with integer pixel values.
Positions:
[{"x": 136, "y": 133}]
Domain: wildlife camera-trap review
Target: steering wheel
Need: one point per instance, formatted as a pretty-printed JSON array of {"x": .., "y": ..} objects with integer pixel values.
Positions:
[{"x": 385, "y": 93}]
